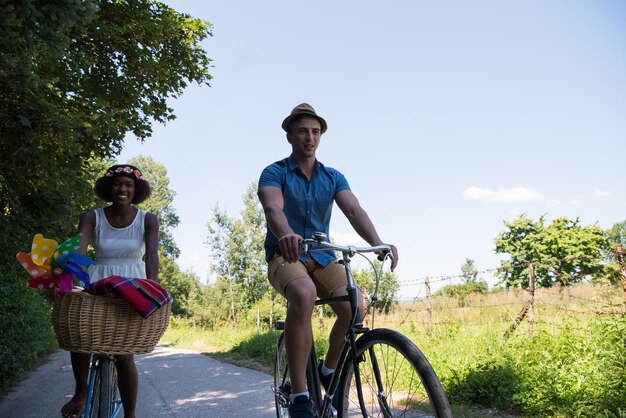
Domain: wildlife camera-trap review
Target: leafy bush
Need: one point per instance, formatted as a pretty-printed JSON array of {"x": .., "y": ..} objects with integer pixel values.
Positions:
[
  {"x": 577, "y": 372},
  {"x": 462, "y": 291},
  {"x": 25, "y": 328},
  {"x": 575, "y": 368},
  {"x": 260, "y": 347},
  {"x": 264, "y": 310}
]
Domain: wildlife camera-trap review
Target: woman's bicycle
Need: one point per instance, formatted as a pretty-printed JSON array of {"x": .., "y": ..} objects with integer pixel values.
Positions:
[
  {"x": 105, "y": 327},
  {"x": 103, "y": 396},
  {"x": 380, "y": 371}
]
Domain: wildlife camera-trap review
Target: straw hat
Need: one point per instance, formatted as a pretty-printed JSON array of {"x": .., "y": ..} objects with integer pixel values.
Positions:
[{"x": 303, "y": 109}]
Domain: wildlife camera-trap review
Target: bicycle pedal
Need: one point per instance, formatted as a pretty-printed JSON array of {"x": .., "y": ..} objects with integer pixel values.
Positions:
[
  {"x": 361, "y": 330},
  {"x": 286, "y": 388}
]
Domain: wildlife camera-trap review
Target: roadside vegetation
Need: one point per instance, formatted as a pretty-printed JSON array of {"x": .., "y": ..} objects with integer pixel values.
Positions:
[
  {"x": 564, "y": 364},
  {"x": 78, "y": 78}
]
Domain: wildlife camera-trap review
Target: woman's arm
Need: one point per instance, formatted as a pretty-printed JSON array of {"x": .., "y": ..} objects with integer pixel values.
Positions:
[
  {"x": 152, "y": 246},
  {"x": 86, "y": 224}
]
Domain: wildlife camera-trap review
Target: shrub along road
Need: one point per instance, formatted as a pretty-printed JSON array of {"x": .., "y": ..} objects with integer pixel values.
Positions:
[{"x": 172, "y": 382}]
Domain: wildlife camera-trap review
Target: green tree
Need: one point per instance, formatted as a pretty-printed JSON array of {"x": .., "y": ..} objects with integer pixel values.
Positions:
[
  {"x": 562, "y": 252},
  {"x": 468, "y": 271},
  {"x": 183, "y": 286},
  {"x": 160, "y": 202},
  {"x": 388, "y": 286},
  {"x": 237, "y": 250},
  {"x": 220, "y": 230},
  {"x": 617, "y": 234},
  {"x": 213, "y": 305},
  {"x": 75, "y": 78}
]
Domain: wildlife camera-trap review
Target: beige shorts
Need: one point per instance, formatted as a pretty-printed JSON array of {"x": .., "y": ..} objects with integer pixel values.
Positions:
[{"x": 326, "y": 279}]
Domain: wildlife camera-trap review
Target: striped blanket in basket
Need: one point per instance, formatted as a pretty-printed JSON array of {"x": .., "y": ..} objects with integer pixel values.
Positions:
[{"x": 143, "y": 295}]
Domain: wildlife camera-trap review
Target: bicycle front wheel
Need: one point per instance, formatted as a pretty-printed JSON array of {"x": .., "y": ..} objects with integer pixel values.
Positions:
[
  {"x": 93, "y": 399},
  {"x": 106, "y": 400},
  {"x": 395, "y": 378}
]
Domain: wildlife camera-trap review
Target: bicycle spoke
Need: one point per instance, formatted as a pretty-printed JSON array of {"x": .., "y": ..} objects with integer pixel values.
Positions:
[{"x": 400, "y": 390}]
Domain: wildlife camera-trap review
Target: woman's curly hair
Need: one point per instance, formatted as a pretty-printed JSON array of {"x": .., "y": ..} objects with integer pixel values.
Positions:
[{"x": 104, "y": 183}]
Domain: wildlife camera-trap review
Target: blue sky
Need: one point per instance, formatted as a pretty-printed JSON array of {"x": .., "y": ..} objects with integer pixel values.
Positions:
[{"x": 447, "y": 118}]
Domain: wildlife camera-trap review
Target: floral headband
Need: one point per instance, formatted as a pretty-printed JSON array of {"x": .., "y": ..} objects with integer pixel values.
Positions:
[{"x": 125, "y": 170}]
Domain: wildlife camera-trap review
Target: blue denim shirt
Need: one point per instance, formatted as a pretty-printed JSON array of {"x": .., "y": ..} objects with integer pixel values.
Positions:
[{"x": 307, "y": 204}]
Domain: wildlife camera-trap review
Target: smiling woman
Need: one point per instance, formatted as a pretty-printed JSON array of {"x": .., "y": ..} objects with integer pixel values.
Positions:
[{"x": 125, "y": 239}]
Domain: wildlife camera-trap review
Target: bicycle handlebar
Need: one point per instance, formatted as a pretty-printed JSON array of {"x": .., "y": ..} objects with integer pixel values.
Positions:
[{"x": 318, "y": 243}]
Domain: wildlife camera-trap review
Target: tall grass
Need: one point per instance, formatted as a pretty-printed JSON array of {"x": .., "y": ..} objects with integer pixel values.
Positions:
[{"x": 570, "y": 362}]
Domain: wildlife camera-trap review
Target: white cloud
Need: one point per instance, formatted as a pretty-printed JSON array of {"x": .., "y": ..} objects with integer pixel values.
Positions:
[
  {"x": 503, "y": 194},
  {"x": 599, "y": 192}
]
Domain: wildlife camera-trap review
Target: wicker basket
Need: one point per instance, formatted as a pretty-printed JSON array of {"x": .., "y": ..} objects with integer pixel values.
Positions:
[{"x": 86, "y": 323}]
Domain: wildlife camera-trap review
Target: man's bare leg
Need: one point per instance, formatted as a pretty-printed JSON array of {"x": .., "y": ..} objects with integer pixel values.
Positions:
[
  {"x": 340, "y": 328},
  {"x": 301, "y": 294}
]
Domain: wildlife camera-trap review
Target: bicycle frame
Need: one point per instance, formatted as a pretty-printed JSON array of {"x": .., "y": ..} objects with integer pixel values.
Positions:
[{"x": 318, "y": 243}]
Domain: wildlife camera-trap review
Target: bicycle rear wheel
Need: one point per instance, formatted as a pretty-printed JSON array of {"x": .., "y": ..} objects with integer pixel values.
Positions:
[
  {"x": 395, "y": 377},
  {"x": 282, "y": 385},
  {"x": 282, "y": 382}
]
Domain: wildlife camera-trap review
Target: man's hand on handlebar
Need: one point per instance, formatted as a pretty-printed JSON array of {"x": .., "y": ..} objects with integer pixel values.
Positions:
[
  {"x": 394, "y": 256},
  {"x": 289, "y": 246}
]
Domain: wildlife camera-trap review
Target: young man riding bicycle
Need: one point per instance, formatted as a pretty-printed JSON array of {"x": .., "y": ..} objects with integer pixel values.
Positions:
[{"x": 297, "y": 195}]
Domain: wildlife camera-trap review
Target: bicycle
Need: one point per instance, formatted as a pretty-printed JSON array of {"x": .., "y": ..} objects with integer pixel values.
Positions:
[
  {"x": 103, "y": 396},
  {"x": 380, "y": 373},
  {"x": 105, "y": 327}
]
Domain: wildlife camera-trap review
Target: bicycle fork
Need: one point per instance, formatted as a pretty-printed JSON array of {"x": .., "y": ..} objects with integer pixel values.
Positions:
[
  {"x": 92, "y": 381},
  {"x": 380, "y": 395},
  {"x": 356, "y": 360}
]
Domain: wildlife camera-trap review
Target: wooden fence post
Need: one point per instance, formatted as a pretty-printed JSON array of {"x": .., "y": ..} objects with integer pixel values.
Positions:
[
  {"x": 620, "y": 251},
  {"x": 429, "y": 306},
  {"x": 531, "y": 294},
  {"x": 527, "y": 310},
  {"x": 518, "y": 319}
]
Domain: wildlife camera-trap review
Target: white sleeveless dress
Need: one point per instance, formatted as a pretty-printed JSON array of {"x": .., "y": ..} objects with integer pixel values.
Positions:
[{"x": 119, "y": 251}]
